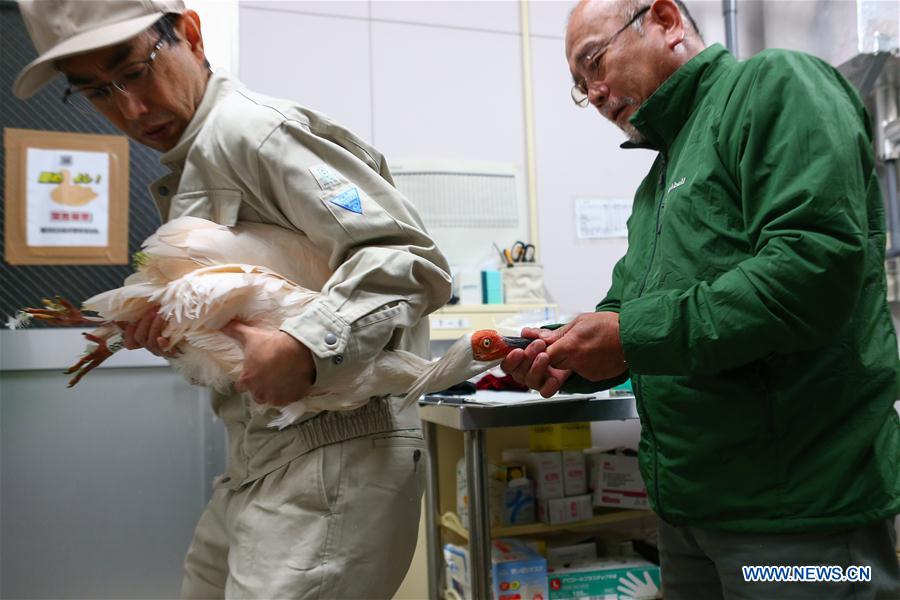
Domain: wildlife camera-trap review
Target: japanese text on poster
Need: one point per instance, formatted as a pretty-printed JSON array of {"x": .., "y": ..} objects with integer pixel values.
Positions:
[{"x": 67, "y": 198}]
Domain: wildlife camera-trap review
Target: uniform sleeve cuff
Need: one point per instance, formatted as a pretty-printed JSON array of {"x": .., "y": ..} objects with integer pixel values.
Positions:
[{"x": 327, "y": 337}]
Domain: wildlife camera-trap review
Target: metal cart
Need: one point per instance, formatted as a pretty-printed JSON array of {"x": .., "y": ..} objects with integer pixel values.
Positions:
[{"x": 473, "y": 420}]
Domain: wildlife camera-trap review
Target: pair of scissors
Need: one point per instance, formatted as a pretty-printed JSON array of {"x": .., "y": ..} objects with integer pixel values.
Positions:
[{"x": 520, "y": 252}]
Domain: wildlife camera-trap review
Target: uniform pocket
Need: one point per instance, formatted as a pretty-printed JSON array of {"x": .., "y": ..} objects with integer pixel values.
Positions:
[
  {"x": 286, "y": 516},
  {"x": 219, "y": 206},
  {"x": 406, "y": 444},
  {"x": 313, "y": 527},
  {"x": 410, "y": 438},
  {"x": 388, "y": 312},
  {"x": 331, "y": 473}
]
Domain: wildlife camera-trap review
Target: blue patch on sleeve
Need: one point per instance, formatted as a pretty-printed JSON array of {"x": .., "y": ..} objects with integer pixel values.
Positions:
[{"x": 348, "y": 200}]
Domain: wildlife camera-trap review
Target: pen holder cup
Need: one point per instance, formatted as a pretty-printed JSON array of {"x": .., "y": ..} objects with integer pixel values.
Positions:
[{"x": 523, "y": 283}]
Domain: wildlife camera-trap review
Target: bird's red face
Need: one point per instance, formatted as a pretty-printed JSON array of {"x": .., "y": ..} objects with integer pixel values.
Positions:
[{"x": 488, "y": 345}]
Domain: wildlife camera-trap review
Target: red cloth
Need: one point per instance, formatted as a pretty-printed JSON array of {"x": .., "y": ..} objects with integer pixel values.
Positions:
[{"x": 492, "y": 382}]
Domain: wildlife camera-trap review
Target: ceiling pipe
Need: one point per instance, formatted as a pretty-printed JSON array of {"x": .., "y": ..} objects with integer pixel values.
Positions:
[{"x": 729, "y": 10}]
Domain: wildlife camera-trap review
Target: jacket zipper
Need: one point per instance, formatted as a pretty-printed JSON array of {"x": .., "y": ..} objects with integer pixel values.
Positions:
[
  {"x": 660, "y": 186},
  {"x": 636, "y": 381}
]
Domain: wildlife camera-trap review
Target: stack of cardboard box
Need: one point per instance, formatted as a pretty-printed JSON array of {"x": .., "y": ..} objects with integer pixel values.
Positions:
[
  {"x": 520, "y": 572},
  {"x": 615, "y": 479},
  {"x": 555, "y": 461}
]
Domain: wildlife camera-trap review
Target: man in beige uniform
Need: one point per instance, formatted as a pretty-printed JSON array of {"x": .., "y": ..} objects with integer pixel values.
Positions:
[{"x": 327, "y": 508}]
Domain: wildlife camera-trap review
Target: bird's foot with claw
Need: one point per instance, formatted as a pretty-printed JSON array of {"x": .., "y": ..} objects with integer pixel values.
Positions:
[
  {"x": 94, "y": 358},
  {"x": 61, "y": 312}
]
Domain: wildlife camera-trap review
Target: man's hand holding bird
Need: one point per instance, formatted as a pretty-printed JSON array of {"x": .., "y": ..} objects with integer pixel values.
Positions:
[
  {"x": 589, "y": 345},
  {"x": 277, "y": 368}
]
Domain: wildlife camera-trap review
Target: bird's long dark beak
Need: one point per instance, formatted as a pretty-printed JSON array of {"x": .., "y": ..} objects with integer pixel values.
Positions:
[{"x": 517, "y": 342}]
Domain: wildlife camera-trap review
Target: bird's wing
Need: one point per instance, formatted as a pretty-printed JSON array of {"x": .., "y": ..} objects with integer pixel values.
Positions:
[
  {"x": 199, "y": 304},
  {"x": 287, "y": 252},
  {"x": 165, "y": 269},
  {"x": 187, "y": 240},
  {"x": 167, "y": 253},
  {"x": 173, "y": 239},
  {"x": 215, "y": 295}
]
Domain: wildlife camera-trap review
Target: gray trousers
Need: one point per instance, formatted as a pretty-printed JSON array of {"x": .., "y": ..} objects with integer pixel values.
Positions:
[{"x": 700, "y": 564}]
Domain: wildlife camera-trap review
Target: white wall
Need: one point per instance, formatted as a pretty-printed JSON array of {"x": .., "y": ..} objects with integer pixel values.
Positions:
[
  {"x": 103, "y": 483},
  {"x": 577, "y": 155},
  {"x": 219, "y": 25},
  {"x": 445, "y": 80},
  {"x": 441, "y": 79}
]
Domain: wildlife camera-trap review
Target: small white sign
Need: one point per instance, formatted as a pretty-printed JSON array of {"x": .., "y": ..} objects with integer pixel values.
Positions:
[
  {"x": 67, "y": 198},
  {"x": 602, "y": 217},
  {"x": 450, "y": 323}
]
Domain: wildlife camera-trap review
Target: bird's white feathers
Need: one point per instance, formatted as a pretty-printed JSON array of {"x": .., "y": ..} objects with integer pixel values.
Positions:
[
  {"x": 181, "y": 244},
  {"x": 185, "y": 269},
  {"x": 203, "y": 275},
  {"x": 455, "y": 366}
]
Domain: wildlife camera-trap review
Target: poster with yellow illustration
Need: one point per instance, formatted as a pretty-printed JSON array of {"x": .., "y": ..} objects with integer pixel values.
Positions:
[{"x": 67, "y": 198}]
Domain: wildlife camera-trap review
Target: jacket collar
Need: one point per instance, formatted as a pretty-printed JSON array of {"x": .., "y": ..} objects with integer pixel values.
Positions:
[
  {"x": 665, "y": 112},
  {"x": 218, "y": 85}
]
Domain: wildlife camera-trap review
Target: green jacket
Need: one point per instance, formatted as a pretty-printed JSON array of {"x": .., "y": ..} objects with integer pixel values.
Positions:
[{"x": 752, "y": 301}]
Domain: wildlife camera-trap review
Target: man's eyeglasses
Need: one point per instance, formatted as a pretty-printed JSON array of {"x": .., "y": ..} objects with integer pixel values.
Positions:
[
  {"x": 579, "y": 90},
  {"x": 133, "y": 78}
]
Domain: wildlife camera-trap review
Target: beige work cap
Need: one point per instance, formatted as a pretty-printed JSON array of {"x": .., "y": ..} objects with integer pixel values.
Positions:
[{"x": 61, "y": 28}]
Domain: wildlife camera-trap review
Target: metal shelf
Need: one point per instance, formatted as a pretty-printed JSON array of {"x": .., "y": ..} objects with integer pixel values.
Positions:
[
  {"x": 452, "y": 522},
  {"x": 455, "y": 412},
  {"x": 473, "y": 420}
]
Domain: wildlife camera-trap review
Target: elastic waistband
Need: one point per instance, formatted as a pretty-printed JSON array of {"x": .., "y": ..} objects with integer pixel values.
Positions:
[
  {"x": 333, "y": 427},
  {"x": 255, "y": 452}
]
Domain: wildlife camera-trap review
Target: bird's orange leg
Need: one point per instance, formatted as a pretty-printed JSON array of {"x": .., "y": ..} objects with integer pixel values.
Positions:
[{"x": 91, "y": 360}]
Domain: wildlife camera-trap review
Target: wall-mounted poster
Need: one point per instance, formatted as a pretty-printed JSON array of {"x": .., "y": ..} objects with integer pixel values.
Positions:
[
  {"x": 602, "y": 217},
  {"x": 66, "y": 198}
]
